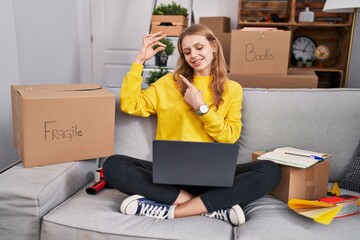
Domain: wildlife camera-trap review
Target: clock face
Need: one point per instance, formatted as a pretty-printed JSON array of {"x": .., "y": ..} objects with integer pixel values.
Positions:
[{"x": 303, "y": 47}]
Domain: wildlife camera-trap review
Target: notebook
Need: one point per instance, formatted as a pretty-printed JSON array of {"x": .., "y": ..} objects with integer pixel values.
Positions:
[{"x": 194, "y": 163}]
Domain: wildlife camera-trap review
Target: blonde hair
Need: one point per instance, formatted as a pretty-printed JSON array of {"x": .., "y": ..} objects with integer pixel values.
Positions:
[{"x": 218, "y": 66}]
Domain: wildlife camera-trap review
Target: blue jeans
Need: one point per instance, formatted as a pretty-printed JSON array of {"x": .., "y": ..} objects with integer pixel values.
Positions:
[{"x": 252, "y": 181}]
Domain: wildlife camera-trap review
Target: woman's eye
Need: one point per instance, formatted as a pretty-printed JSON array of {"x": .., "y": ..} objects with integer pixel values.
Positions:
[
  {"x": 187, "y": 53},
  {"x": 199, "y": 48}
]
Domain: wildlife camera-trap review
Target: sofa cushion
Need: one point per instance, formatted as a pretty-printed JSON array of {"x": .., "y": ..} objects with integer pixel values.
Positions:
[
  {"x": 27, "y": 194},
  {"x": 134, "y": 135},
  {"x": 321, "y": 120},
  {"x": 352, "y": 177},
  {"x": 98, "y": 217}
]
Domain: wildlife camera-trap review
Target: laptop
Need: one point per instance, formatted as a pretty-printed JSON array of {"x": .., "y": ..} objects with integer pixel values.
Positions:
[{"x": 194, "y": 163}]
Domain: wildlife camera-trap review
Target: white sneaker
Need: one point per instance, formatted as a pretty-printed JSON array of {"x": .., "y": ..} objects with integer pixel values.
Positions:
[
  {"x": 233, "y": 215},
  {"x": 141, "y": 206}
]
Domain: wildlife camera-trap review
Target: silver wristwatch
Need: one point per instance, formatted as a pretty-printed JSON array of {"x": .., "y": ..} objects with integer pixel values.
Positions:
[{"x": 203, "y": 109}]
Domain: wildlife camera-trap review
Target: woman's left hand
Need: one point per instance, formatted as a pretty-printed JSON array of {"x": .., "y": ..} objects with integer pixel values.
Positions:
[{"x": 192, "y": 95}]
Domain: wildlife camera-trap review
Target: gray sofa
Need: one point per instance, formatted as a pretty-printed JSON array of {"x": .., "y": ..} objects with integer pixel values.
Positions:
[{"x": 50, "y": 202}]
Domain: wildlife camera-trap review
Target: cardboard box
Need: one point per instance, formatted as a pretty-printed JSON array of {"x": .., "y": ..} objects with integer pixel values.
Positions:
[
  {"x": 310, "y": 183},
  {"x": 62, "y": 123},
  {"x": 260, "y": 52},
  {"x": 294, "y": 79},
  {"x": 225, "y": 40},
  {"x": 216, "y": 24}
]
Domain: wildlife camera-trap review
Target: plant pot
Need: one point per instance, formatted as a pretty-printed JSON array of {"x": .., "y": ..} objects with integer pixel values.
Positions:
[
  {"x": 300, "y": 63},
  {"x": 308, "y": 64},
  {"x": 161, "y": 60}
]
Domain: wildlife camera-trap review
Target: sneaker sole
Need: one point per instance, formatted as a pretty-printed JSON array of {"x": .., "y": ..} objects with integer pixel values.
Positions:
[
  {"x": 240, "y": 213},
  {"x": 126, "y": 202}
]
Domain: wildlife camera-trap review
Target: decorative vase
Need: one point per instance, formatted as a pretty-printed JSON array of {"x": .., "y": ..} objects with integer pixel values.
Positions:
[{"x": 161, "y": 59}]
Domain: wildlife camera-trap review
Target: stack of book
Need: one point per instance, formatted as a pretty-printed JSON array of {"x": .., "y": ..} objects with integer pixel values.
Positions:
[
  {"x": 326, "y": 209},
  {"x": 349, "y": 204}
]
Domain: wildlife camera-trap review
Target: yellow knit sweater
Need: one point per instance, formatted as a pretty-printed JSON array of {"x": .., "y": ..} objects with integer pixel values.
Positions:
[{"x": 176, "y": 119}]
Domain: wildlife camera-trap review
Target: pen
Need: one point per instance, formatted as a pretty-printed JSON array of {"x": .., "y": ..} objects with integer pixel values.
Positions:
[
  {"x": 301, "y": 155},
  {"x": 316, "y": 157}
]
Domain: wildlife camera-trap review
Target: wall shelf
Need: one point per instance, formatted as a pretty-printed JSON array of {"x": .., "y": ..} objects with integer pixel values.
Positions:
[{"x": 331, "y": 29}]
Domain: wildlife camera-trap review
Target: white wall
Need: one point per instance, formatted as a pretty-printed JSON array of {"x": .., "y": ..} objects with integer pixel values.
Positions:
[
  {"x": 48, "y": 43},
  {"x": 39, "y": 44},
  {"x": 9, "y": 74}
]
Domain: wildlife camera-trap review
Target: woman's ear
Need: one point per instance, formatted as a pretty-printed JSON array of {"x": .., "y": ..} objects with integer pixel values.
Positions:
[{"x": 214, "y": 46}]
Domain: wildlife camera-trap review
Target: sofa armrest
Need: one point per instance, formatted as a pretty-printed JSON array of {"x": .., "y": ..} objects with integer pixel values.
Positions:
[{"x": 27, "y": 194}]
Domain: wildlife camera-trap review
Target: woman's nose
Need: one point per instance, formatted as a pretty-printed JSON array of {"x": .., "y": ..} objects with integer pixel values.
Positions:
[{"x": 193, "y": 54}]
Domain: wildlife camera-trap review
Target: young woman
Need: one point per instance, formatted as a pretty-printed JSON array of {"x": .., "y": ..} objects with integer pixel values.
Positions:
[{"x": 195, "y": 103}]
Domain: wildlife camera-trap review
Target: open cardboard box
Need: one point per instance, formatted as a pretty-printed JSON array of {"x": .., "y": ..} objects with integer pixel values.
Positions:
[
  {"x": 310, "y": 183},
  {"x": 62, "y": 123}
]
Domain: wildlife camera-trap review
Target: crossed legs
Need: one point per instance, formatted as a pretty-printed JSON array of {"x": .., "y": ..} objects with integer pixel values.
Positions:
[{"x": 134, "y": 176}]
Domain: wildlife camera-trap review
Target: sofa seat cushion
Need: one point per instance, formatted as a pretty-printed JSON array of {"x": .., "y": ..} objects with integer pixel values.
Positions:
[
  {"x": 98, "y": 217},
  {"x": 270, "y": 219},
  {"x": 27, "y": 194}
]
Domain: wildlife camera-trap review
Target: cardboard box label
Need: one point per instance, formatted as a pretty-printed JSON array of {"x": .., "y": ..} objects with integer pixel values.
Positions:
[
  {"x": 54, "y": 131},
  {"x": 263, "y": 52}
]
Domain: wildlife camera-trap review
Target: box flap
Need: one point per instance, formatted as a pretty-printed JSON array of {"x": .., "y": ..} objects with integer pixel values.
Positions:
[{"x": 54, "y": 90}]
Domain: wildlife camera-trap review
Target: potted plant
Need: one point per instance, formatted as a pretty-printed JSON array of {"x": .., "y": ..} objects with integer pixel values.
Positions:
[
  {"x": 300, "y": 62},
  {"x": 170, "y": 9},
  {"x": 162, "y": 56},
  {"x": 155, "y": 75},
  {"x": 169, "y": 18}
]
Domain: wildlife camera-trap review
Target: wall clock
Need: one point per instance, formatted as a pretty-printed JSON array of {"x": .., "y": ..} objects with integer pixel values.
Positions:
[{"x": 303, "y": 47}]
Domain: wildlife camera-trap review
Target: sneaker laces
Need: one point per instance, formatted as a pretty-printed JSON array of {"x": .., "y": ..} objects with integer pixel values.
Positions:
[
  {"x": 151, "y": 210},
  {"x": 221, "y": 214}
]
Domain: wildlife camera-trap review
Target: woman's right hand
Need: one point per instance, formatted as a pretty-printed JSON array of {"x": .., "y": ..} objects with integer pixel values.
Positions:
[{"x": 147, "y": 51}]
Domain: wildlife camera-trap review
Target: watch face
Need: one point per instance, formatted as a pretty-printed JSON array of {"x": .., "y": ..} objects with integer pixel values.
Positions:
[
  {"x": 303, "y": 47},
  {"x": 204, "y": 109}
]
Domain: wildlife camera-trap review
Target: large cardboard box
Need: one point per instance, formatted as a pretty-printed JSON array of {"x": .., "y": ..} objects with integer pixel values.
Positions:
[
  {"x": 310, "y": 183},
  {"x": 225, "y": 40},
  {"x": 62, "y": 123},
  {"x": 260, "y": 52},
  {"x": 216, "y": 24},
  {"x": 294, "y": 79}
]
